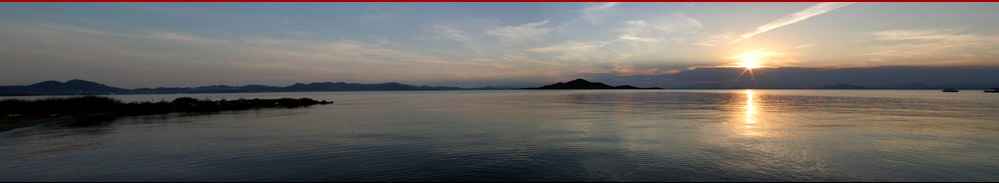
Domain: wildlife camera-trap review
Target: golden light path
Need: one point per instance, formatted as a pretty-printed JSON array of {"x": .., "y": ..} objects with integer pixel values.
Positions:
[
  {"x": 750, "y": 109},
  {"x": 751, "y": 122}
]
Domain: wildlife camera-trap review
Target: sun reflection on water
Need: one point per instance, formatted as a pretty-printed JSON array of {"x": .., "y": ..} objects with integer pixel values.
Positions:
[
  {"x": 751, "y": 123},
  {"x": 750, "y": 108}
]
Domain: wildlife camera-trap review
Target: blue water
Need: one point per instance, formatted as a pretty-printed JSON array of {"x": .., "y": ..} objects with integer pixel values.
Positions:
[{"x": 652, "y": 135}]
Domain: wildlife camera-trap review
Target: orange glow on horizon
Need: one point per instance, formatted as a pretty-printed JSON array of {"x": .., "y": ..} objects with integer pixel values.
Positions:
[{"x": 752, "y": 59}]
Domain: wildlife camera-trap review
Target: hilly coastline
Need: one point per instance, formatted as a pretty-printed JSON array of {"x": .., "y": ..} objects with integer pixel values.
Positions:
[
  {"x": 83, "y": 87},
  {"x": 582, "y": 84}
]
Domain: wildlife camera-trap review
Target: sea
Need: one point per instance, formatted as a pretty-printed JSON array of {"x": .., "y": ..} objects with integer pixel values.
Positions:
[{"x": 533, "y": 135}]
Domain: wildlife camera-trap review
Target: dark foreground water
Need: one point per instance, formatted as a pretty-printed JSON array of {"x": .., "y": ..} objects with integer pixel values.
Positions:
[{"x": 536, "y": 135}]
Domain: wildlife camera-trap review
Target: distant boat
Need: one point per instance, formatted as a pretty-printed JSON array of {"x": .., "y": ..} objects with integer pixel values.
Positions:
[
  {"x": 951, "y": 90},
  {"x": 992, "y": 90}
]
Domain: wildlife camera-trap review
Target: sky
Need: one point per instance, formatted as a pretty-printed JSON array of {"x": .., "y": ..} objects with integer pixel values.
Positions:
[{"x": 474, "y": 44}]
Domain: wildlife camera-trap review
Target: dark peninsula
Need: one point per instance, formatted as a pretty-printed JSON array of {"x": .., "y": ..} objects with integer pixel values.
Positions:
[{"x": 95, "y": 110}]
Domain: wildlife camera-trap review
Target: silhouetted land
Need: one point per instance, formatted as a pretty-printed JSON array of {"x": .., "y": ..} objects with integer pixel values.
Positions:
[
  {"x": 584, "y": 84},
  {"x": 82, "y": 87},
  {"x": 883, "y": 77},
  {"x": 713, "y": 78},
  {"x": 843, "y": 86},
  {"x": 90, "y": 110}
]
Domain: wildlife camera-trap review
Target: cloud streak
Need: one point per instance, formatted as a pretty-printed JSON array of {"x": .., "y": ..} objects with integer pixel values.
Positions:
[
  {"x": 528, "y": 31},
  {"x": 802, "y": 15},
  {"x": 181, "y": 58},
  {"x": 932, "y": 46},
  {"x": 450, "y": 33},
  {"x": 593, "y": 14}
]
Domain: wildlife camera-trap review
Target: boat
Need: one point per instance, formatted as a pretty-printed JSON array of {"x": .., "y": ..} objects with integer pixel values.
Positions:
[
  {"x": 992, "y": 90},
  {"x": 951, "y": 90}
]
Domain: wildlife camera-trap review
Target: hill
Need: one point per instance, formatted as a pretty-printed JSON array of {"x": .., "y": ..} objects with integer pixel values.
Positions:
[
  {"x": 82, "y": 87},
  {"x": 584, "y": 84}
]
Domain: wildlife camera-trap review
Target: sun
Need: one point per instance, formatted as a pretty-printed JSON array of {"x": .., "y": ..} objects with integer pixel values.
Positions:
[{"x": 751, "y": 60}]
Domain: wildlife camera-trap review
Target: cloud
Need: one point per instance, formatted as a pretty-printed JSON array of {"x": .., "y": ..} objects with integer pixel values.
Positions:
[
  {"x": 946, "y": 46},
  {"x": 923, "y": 35},
  {"x": 71, "y": 28},
  {"x": 595, "y": 14},
  {"x": 814, "y": 77},
  {"x": 449, "y": 33},
  {"x": 651, "y": 40},
  {"x": 630, "y": 37},
  {"x": 815, "y": 10},
  {"x": 570, "y": 46},
  {"x": 173, "y": 36},
  {"x": 525, "y": 32},
  {"x": 602, "y": 6},
  {"x": 169, "y": 57},
  {"x": 674, "y": 28},
  {"x": 575, "y": 50},
  {"x": 632, "y": 70}
]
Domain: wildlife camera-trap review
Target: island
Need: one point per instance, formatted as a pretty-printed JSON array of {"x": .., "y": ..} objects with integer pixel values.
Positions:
[{"x": 582, "y": 84}]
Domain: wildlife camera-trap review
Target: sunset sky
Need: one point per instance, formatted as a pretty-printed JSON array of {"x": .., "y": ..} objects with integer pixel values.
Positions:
[{"x": 147, "y": 45}]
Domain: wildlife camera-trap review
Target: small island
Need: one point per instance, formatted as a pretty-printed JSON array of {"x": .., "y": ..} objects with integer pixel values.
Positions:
[
  {"x": 582, "y": 84},
  {"x": 90, "y": 110}
]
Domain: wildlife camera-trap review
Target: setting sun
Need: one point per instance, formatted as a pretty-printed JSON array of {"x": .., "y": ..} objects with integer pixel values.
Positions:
[
  {"x": 751, "y": 60},
  {"x": 208, "y": 90}
]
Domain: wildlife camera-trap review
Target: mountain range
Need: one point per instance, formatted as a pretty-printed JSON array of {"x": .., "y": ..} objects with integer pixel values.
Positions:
[
  {"x": 883, "y": 77},
  {"x": 83, "y": 87},
  {"x": 699, "y": 78}
]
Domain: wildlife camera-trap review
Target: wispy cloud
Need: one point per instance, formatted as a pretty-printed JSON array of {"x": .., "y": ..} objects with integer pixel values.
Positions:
[
  {"x": 930, "y": 44},
  {"x": 71, "y": 28},
  {"x": 173, "y": 36},
  {"x": 923, "y": 35},
  {"x": 803, "y": 46},
  {"x": 183, "y": 57},
  {"x": 603, "y": 6},
  {"x": 576, "y": 50},
  {"x": 450, "y": 33},
  {"x": 524, "y": 32},
  {"x": 661, "y": 29},
  {"x": 593, "y": 14},
  {"x": 815, "y": 10},
  {"x": 715, "y": 40}
]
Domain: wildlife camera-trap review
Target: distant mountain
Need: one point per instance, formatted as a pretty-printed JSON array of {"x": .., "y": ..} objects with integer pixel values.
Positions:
[
  {"x": 81, "y": 87},
  {"x": 883, "y": 77},
  {"x": 584, "y": 84},
  {"x": 341, "y": 86},
  {"x": 843, "y": 86},
  {"x": 71, "y": 87}
]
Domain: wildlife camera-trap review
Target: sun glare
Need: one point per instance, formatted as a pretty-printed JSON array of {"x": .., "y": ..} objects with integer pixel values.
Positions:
[{"x": 751, "y": 60}]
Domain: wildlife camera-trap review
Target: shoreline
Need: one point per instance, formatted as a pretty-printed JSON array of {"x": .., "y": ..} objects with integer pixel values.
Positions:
[
  {"x": 93, "y": 110},
  {"x": 520, "y": 89}
]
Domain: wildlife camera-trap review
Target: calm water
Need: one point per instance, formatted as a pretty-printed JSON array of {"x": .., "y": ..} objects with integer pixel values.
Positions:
[{"x": 536, "y": 135}]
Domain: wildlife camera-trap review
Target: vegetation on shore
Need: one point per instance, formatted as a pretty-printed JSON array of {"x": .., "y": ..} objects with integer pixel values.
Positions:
[{"x": 86, "y": 110}]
